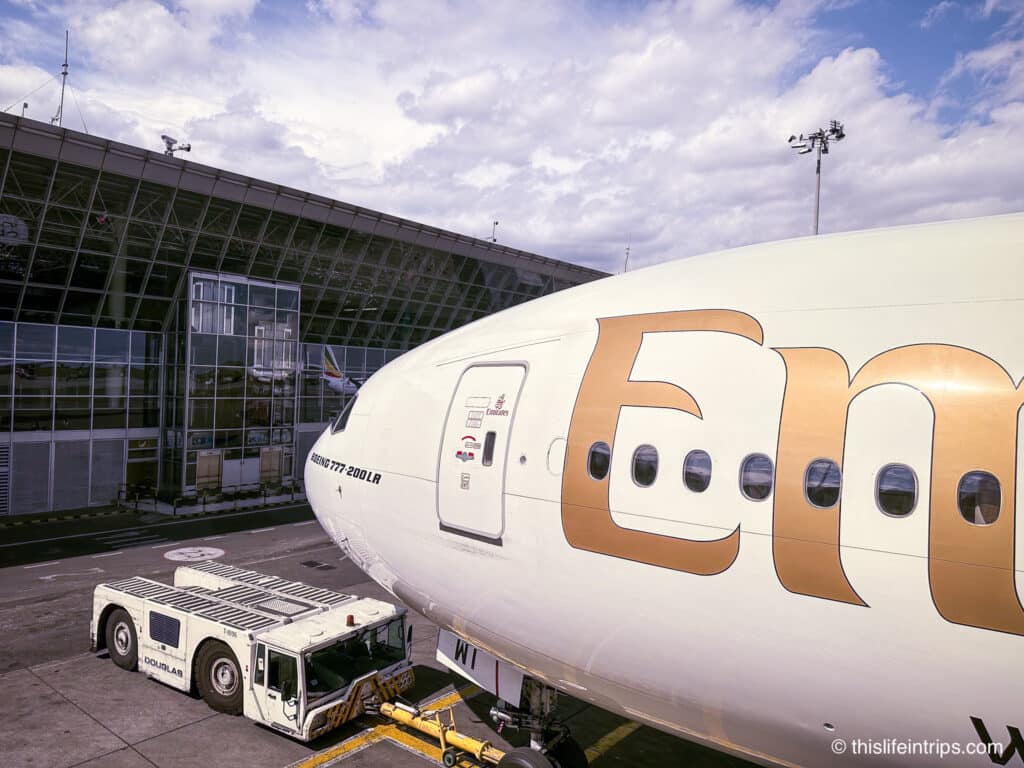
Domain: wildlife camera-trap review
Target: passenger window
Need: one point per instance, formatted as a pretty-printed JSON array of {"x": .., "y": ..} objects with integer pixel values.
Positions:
[
  {"x": 645, "y": 465},
  {"x": 697, "y": 471},
  {"x": 258, "y": 672},
  {"x": 896, "y": 490},
  {"x": 756, "y": 477},
  {"x": 342, "y": 420},
  {"x": 821, "y": 483},
  {"x": 599, "y": 460},
  {"x": 488, "y": 458},
  {"x": 979, "y": 497}
]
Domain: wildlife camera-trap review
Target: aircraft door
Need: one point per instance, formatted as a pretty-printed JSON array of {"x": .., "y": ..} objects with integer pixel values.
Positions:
[{"x": 474, "y": 450}]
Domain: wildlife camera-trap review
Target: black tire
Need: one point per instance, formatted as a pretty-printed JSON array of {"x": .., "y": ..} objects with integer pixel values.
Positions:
[
  {"x": 219, "y": 678},
  {"x": 524, "y": 757},
  {"x": 122, "y": 641},
  {"x": 568, "y": 754},
  {"x": 449, "y": 757}
]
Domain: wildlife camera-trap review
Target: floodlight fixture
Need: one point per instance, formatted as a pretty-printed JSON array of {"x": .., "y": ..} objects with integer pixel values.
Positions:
[
  {"x": 818, "y": 140},
  {"x": 171, "y": 145}
]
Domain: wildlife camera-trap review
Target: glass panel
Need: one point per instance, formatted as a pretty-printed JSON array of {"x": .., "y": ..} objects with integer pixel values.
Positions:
[
  {"x": 35, "y": 342},
  {"x": 261, "y": 296},
  {"x": 33, "y": 379},
  {"x": 311, "y": 412},
  {"x": 6, "y": 340},
  {"x": 756, "y": 477},
  {"x": 896, "y": 490},
  {"x": 697, "y": 471},
  {"x": 287, "y": 298},
  {"x": 645, "y": 465},
  {"x": 145, "y": 347},
  {"x": 201, "y": 382},
  {"x": 229, "y": 413},
  {"x": 230, "y": 382},
  {"x": 231, "y": 350},
  {"x": 109, "y": 417},
  {"x": 257, "y": 413},
  {"x": 978, "y": 497},
  {"x": 112, "y": 346},
  {"x": 71, "y": 413},
  {"x": 6, "y": 377},
  {"x": 204, "y": 349},
  {"x": 200, "y": 414},
  {"x": 110, "y": 382},
  {"x": 144, "y": 381},
  {"x": 599, "y": 460},
  {"x": 74, "y": 343},
  {"x": 821, "y": 483},
  {"x": 32, "y": 414},
  {"x": 74, "y": 379}
]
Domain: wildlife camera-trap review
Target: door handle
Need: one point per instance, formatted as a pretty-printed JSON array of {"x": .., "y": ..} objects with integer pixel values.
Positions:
[{"x": 271, "y": 696}]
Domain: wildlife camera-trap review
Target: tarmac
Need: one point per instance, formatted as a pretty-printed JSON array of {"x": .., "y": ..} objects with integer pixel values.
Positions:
[{"x": 68, "y": 708}]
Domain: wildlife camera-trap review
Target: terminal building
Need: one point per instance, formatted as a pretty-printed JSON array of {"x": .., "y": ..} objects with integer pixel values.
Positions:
[{"x": 172, "y": 329}]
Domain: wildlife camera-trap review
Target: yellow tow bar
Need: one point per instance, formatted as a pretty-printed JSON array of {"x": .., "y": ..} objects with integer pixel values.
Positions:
[{"x": 452, "y": 742}]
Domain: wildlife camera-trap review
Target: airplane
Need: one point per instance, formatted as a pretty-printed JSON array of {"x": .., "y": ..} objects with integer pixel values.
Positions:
[
  {"x": 334, "y": 377},
  {"x": 762, "y": 499}
]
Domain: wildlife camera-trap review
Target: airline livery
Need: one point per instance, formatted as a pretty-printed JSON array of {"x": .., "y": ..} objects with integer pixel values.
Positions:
[{"x": 763, "y": 499}]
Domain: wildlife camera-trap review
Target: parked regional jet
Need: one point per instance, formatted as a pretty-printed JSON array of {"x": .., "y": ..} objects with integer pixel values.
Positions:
[
  {"x": 763, "y": 499},
  {"x": 335, "y": 378}
]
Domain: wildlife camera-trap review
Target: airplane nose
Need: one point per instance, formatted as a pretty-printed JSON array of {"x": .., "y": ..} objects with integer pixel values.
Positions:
[{"x": 334, "y": 498}]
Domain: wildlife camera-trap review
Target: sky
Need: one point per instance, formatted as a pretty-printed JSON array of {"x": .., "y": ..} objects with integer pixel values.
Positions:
[{"x": 584, "y": 127}]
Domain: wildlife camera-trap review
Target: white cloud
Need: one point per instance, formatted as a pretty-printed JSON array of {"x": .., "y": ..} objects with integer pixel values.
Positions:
[{"x": 580, "y": 127}]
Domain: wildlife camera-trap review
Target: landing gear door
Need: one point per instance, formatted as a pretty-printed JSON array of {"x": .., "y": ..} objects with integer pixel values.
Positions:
[{"x": 474, "y": 450}]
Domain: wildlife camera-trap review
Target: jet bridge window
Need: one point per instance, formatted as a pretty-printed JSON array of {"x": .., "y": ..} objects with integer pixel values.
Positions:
[
  {"x": 756, "y": 477},
  {"x": 979, "y": 497},
  {"x": 645, "y": 465},
  {"x": 598, "y": 460},
  {"x": 896, "y": 490},
  {"x": 821, "y": 483},
  {"x": 697, "y": 471}
]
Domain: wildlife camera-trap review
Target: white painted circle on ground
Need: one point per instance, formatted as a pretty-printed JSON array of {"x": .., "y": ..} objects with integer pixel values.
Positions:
[{"x": 194, "y": 554}]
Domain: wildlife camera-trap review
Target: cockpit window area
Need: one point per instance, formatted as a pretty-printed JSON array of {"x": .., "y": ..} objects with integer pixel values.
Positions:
[
  {"x": 332, "y": 668},
  {"x": 342, "y": 420},
  {"x": 979, "y": 498}
]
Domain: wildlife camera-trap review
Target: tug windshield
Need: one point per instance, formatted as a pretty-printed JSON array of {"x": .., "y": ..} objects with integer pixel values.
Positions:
[{"x": 332, "y": 668}]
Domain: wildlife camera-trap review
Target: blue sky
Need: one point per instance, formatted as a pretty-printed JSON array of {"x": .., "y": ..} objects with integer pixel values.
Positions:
[{"x": 579, "y": 125}]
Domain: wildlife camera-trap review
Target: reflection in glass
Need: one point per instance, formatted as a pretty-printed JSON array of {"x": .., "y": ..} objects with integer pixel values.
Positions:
[
  {"x": 598, "y": 460},
  {"x": 821, "y": 483},
  {"x": 35, "y": 342},
  {"x": 74, "y": 343},
  {"x": 111, "y": 345},
  {"x": 979, "y": 498},
  {"x": 896, "y": 490},
  {"x": 110, "y": 381},
  {"x": 74, "y": 379},
  {"x": 33, "y": 378},
  {"x": 645, "y": 465},
  {"x": 756, "y": 477},
  {"x": 697, "y": 471}
]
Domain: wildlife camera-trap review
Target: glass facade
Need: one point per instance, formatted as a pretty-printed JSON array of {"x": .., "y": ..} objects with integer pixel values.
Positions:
[{"x": 176, "y": 318}]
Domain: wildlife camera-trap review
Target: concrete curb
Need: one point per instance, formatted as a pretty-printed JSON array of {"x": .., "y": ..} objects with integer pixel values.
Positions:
[{"x": 14, "y": 523}]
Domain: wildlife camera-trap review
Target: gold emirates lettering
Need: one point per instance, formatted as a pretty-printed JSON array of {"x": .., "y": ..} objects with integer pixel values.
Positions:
[{"x": 970, "y": 567}]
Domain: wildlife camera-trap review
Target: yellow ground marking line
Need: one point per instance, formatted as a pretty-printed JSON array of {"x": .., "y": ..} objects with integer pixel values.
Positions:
[
  {"x": 610, "y": 740},
  {"x": 391, "y": 732}
]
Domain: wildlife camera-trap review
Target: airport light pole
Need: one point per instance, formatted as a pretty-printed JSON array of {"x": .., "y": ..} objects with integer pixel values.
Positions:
[{"x": 819, "y": 140}]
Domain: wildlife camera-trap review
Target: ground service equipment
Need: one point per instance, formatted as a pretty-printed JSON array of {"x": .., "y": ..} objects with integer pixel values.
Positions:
[{"x": 296, "y": 658}]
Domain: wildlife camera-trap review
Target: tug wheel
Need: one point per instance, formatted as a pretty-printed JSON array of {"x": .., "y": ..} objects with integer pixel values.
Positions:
[
  {"x": 219, "y": 678},
  {"x": 122, "y": 642}
]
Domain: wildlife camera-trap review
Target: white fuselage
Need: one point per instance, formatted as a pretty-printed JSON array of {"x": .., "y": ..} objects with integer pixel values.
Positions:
[{"x": 767, "y": 628}]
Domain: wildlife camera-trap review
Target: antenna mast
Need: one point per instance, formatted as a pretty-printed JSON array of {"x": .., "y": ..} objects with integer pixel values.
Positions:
[{"x": 59, "y": 117}]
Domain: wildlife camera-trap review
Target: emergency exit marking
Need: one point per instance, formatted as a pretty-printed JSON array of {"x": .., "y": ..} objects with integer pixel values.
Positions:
[{"x": 465, "y": 481}]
